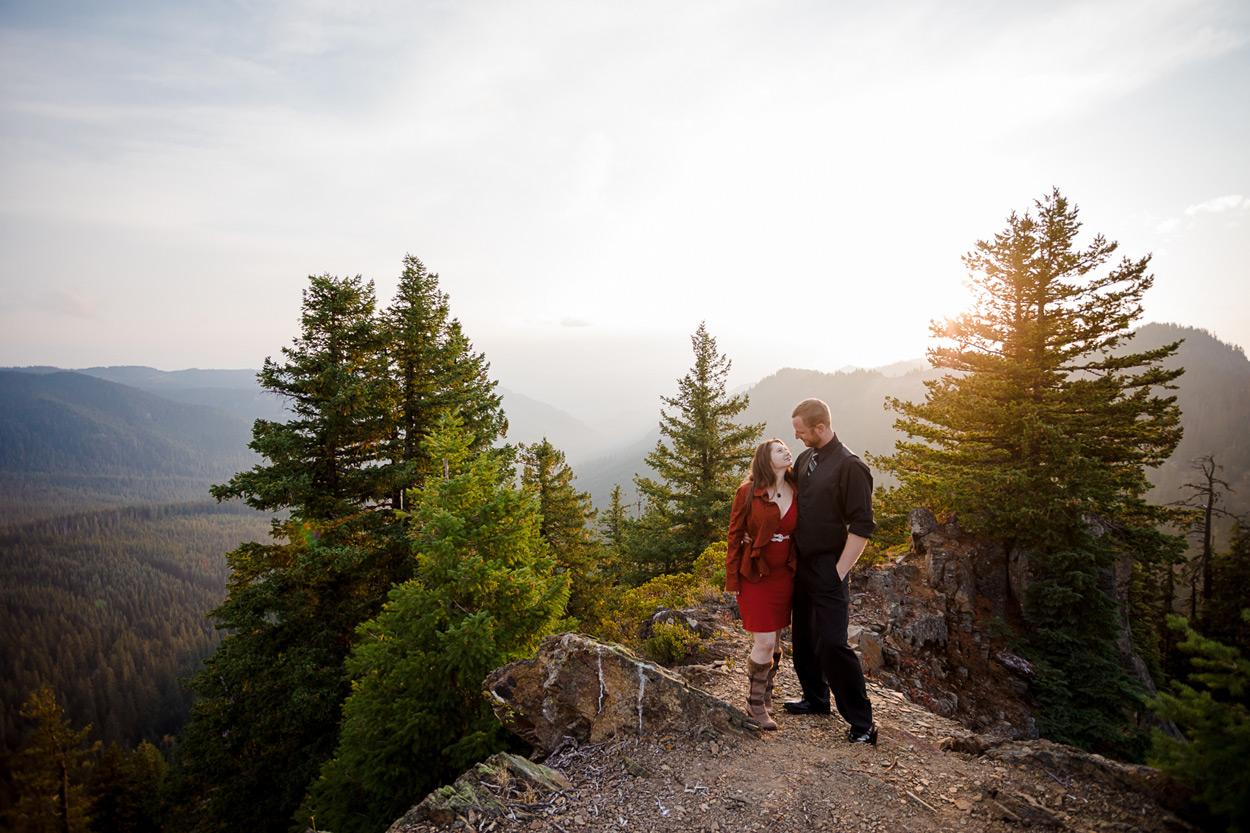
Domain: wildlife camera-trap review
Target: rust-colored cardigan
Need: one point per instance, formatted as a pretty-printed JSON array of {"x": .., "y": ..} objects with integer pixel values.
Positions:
[{"x": 752, "y": 513}]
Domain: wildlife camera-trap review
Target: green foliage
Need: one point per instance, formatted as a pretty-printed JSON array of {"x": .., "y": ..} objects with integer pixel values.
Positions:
[
  {"x": 709, "y": 568},
  {"x": 567, "y": 518},
  {"x": 50, "y": 769},
  {"x": 699, "y": 461},
  {"x": 432, "y": 373},
  {"x": 1081, "y": 688},
  {"x": 1213, "y": 710},
  {"x": 629, "y": 609},
  {"x": 1044, "y": 423},
  {"x": 484, "y": 592},
  {"x": 1231, "y": 569},
  {"x": 362, "y": 389},
  {"x": 632, "y": 607},
  {"x": 124, "y": 789},
  {"x": 107, "y": 608},
  {"x": 669, "y": 644}
]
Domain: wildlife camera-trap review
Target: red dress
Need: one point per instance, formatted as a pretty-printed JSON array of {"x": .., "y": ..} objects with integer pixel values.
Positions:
[{"x": 765, "y": 604}]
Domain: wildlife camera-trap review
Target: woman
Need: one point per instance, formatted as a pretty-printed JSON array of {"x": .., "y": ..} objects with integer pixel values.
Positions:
[{"x": 759, "y": 566}]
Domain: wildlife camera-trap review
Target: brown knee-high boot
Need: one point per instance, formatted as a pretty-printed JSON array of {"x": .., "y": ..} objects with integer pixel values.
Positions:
[
  {"x": 772, "y": 675},
  {"x": 758, "y": 672}
]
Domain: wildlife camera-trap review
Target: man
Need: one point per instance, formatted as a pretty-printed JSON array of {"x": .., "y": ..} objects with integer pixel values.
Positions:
[{"x": 834, "y": 524}]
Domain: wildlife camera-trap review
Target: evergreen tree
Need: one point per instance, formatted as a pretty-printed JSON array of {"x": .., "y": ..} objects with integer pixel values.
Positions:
[
  {"x": 50, "y": 769},
  {"x": 433, "y": 372},
  {"x": 484, "y": 592},
  {"x": 1231, "y": 571},
  {"x": 124, "y": 787},
  {"x": 567, "y": 515},
  {"x": 615, "y": 526},
  {"x": 1045, "y": 422},
  {"x": 1213, "y": 710},
  {"x": 363, "y": 389},
  {"x": 270, "y": 695},
  {"x": 699, "y": 461}
]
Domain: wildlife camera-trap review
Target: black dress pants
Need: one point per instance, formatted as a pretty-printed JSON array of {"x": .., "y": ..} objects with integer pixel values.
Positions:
[{"x": 822, "y": 659}]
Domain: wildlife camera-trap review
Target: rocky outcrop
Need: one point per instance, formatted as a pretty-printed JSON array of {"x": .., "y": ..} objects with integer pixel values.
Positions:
[
  {"x": 927, "y": 773},
  {"x": 576, "y": 688},
  {"x": 490, "y": 790},
  {"x": 937, "y": 617}
]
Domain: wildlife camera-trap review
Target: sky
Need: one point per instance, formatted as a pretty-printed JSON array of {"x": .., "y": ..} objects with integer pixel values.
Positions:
[{"x": 592, "y": 180}]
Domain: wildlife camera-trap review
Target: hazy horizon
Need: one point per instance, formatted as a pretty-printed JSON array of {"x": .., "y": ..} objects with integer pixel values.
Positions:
[{"x": 591, "y": 181}]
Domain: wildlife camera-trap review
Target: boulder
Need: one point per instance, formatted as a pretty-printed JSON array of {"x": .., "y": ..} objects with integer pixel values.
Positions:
[
  {"x": 477, "y": 794},
  {"x": 868, "y": 645},
  {"x": 575, "y": 687}
]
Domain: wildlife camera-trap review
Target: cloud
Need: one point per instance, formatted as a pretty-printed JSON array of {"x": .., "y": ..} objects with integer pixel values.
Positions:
[
  {"x": 1231, "y": 202},
  {"x": 77, "y": 303},
  {"x": 569, "y": 321}
]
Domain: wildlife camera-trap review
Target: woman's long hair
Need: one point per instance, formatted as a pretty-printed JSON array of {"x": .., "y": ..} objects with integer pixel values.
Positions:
[{"x": 762, "y": 466}]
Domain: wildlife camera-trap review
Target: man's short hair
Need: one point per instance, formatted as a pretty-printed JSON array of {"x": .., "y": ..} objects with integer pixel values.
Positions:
[{"x": 813, "y": 412}]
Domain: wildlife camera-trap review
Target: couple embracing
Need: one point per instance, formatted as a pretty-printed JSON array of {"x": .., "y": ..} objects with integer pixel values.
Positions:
[{"x": 795, "y": 532}]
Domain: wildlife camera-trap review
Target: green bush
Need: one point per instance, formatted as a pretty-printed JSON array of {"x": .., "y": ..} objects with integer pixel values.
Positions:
[{"x": 671, "y": 643}]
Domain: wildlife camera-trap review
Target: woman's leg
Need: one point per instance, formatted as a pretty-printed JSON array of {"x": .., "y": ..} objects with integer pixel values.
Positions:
[
  {"x": 764, "y": 646},
  {"x": 772, "y": 671}
]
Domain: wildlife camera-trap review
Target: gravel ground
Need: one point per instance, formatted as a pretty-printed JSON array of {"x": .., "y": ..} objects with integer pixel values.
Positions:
[{"x": 805, "y": 776}]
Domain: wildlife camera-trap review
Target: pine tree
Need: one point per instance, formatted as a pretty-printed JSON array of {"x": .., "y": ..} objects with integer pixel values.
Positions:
[
  {"x": 270, "y": 695},
  {"x": 363, "y": 388},
  {"x": 1046, "y": 422},
  {"x": 567, "y": 518},
  {"x": 1231, "y": 577},
  {"x": 1213, "y": 710},
  {"x": 50, "y": 769},
  {"x": 699, "y": 461},
  {"x": 615, "y": 521},
  {"x": 484, "y": 592},
  {"x": 123, "y": 789},
  {"x": 433, "y": 372}
]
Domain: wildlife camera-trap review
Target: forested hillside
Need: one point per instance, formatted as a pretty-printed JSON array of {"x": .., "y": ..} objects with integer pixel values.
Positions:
[
  {"x": 111, "y": 549},
  {"x": 108, "y": 608},
  {"x": 69, "y": 441},
  {"x": 1214, "y": 395}
]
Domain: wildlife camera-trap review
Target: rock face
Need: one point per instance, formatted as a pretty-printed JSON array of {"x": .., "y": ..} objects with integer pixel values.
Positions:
[
  {"x": 931, "y": 624},
  {"x": 587, "y": 691},
  {"x": 484, "y": 792}
]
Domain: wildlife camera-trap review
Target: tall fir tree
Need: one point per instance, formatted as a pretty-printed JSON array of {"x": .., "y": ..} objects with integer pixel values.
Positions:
[
  {"x": 433, "y": 371},
  {"x": 1046, "y": 422},
  {"x": 50, "y": 770},
  {"x": 270, "y": 696},
  {"x": 567, "y": 526},
  {"x": 364, "y": 388},
  {"x": 615, "y": 523},
  {"x": 485, "y": 590},
  {"x": 699, "y": 461}
]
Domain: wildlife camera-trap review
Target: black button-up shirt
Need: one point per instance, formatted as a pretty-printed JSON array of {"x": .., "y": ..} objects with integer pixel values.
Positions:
[{"x": 833, "y": 498}]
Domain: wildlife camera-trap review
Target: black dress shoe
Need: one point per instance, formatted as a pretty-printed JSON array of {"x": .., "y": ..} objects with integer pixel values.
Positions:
[
  {"x": 869, "y": 737},
  {"x": 805, "y": 706}
]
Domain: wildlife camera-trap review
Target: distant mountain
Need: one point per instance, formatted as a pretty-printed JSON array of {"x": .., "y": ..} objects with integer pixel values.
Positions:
[
  {"x": 236, "y": 391},
  {"x": 529, "y": 421},
  {"x": 70, "y": 441},
  {"x": 1214, "y": 395}
]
